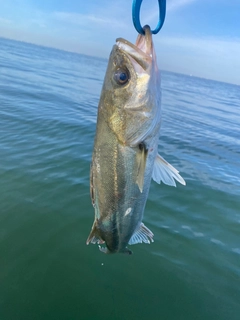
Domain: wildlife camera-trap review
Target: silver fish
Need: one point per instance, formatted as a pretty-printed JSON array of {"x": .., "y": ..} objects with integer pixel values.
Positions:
[{"x": 125, "y": 155}]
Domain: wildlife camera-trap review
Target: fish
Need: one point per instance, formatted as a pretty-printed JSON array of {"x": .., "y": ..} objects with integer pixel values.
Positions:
[{"x": 125, "y": 155}]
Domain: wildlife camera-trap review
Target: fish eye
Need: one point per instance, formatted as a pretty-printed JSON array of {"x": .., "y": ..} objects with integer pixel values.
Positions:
[{"x": 121, "y": 76}]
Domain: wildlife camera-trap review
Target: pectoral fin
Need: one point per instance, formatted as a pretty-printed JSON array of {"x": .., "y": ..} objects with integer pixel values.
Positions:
[
  {"x": 141, "y": 161},
  {"x": 165, "y": 172},
  {"x": 94, "y": 236},
  {"x": 142, "y": 234}
]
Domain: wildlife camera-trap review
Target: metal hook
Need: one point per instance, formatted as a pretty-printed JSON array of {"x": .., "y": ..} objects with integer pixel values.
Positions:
[{"x": 136, "y": 16}]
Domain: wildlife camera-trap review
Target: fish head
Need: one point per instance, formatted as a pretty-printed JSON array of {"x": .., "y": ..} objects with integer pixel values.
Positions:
[{"x": 131, "y": 92}]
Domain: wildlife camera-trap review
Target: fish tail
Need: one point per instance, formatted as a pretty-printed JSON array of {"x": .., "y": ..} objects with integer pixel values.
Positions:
[{"x": 106, "y": 250}]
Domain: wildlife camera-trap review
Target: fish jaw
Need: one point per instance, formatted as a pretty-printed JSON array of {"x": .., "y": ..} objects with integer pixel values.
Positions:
[{"x": 142, "y": 54}]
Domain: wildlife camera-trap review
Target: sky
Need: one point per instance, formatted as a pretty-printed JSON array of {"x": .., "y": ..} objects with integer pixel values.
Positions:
[{"x": 199, "y": 37}]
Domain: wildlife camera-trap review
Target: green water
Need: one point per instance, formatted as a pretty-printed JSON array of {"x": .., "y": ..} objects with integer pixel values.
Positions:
[{"x": 48, "y": 102}]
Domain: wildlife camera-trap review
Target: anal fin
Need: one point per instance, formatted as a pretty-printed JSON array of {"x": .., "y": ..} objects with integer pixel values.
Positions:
[
  {"x": 142, "y": 234},
  {"x": 165, "y": 172}
]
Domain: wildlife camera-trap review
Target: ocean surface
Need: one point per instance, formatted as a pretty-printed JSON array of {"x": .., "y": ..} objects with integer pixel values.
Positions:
[{"x": 48, "y": 107}]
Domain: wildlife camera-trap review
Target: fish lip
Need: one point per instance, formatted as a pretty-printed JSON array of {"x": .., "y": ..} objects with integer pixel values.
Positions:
[
  {"x": 142, "y": 51},
  {"x": 144, "y": 43}
]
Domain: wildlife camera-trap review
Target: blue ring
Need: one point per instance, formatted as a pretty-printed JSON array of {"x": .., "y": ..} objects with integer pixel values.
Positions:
[{"x": 136, "y": 16}]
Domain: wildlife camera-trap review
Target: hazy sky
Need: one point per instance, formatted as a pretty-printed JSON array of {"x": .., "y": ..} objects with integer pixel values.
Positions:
[{"x": 199, "y": 37}]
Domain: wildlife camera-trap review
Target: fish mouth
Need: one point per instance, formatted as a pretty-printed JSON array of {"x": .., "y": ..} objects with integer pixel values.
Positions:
[{"x": 142, "y": 52}]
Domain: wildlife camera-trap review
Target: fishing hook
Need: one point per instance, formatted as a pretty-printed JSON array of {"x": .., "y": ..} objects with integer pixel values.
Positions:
[{"x": 136, "y": 16}]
